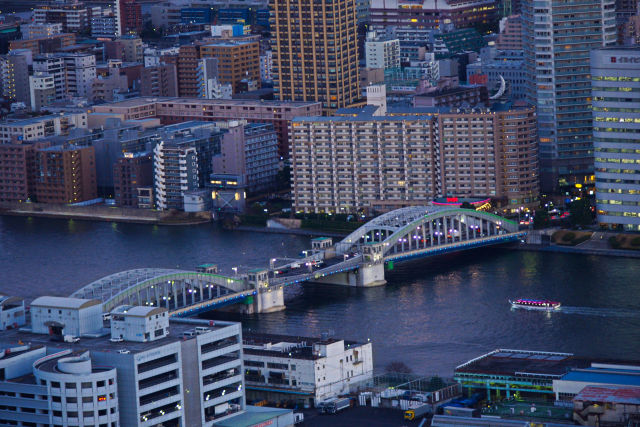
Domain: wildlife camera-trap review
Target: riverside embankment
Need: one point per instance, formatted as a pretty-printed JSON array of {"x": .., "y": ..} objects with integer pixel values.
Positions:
[{"x": 103, "y": 213}]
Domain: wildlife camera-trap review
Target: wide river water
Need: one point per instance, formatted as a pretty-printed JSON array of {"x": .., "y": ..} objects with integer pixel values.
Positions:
[{"x": 432, "y": 315}]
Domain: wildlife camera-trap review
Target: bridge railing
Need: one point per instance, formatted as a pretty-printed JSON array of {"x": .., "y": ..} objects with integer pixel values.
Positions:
[{"x": 303, "y": 277}]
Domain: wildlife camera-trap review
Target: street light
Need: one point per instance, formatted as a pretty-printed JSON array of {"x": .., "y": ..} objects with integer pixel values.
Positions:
[{"x": 235, "y": 271}]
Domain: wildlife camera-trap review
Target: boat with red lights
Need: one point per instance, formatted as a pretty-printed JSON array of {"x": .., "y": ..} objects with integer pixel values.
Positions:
[{"x": 535, "y": 304}]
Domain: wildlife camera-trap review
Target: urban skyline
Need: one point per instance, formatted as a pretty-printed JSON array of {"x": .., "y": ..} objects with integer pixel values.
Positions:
[{"x": 331, "y": 212}]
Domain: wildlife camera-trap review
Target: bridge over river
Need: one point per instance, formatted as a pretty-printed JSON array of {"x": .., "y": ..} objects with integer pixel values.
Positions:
[{"x": 357, "y": 260}]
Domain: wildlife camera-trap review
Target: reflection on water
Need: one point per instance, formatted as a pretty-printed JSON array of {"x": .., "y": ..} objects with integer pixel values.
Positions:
[{"x": 431, "y": 315}]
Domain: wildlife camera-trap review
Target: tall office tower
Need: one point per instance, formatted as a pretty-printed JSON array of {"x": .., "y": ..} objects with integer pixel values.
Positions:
[
  {"x": 615, "y": 75},
  {"x": 557, "y": 38},
  {"x": 315, "y": 51}
]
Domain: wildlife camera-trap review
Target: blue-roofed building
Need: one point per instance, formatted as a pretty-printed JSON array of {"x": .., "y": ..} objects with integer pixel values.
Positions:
[
  {"x": 539, "y": 374},
  {"x": 508, "y": 373},
  {"x": 614, "y": 374}
]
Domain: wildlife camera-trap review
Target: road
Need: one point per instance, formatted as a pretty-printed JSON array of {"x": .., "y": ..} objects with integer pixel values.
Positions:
[{"x": 359, "y": 416}]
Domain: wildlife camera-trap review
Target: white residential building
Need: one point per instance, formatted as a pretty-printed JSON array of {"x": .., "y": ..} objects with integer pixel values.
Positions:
[
  {"x": 307, "y": 370},
  {"x": 382, "y": 52},
  {"x": 43, "y": 90},
  {"x": 80, "y": 71},
  {"x": 52, "y": 65},
  {"x": 175, "y": 172}
]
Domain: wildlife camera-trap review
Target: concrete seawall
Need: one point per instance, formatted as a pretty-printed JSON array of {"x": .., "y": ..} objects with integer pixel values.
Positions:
[{"x": 103, "y": 213}]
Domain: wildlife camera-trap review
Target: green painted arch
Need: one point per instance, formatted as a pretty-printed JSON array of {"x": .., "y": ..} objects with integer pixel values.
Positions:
[{"x": 510, "y": 226}]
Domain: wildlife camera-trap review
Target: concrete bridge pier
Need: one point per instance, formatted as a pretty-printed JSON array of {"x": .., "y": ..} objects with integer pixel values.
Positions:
[
  {"x": 370, "y": 275},
  {"x": 268, "y": 299}
]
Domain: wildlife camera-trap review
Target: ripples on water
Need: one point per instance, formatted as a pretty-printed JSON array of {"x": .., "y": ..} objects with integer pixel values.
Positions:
[{"x": 433, "y": 314}]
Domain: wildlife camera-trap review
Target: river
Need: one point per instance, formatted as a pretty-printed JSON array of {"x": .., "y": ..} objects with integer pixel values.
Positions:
[{"x": 432, "y": 315}]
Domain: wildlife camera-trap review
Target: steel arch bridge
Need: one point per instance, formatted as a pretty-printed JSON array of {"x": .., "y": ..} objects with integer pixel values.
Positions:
[
  {"x": 169, "y": 288},
  {"x": 420, "y": 229}
]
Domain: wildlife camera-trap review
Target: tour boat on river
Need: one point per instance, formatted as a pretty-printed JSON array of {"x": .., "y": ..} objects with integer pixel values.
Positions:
[{"x": 535, "y": 304}]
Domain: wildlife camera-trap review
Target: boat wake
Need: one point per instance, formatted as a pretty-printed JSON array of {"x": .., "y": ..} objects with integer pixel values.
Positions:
[{"x": 602, "y": 312}]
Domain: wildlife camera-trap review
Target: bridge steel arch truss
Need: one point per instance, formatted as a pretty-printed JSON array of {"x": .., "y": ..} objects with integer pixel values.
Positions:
[
  {"x": 172, "y": 289},
  {"x": 422, "y": 228}
]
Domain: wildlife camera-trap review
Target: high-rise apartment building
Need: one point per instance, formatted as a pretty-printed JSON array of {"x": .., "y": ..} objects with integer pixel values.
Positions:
[
  {"x": 382, "y": 52},
  {"x": 187, "y": 64},
  {"x": 74, "y": 17},
  {"x": 175, "y": 172},
  {"x": 52, "y": 65},
  {"x": 80, "y": 69},
  {"x": 376, "y": 161},
  {"x": 557, "y": 39},
  {"x": 130, "y": 16},
  {"x": 249, "y": 151},
  {"x": 130, "y": 172},
  {"x": 65, "y": 174},
  {"x": 18, "y": 171},
  {"x": 14, "y": 75},
  {"x": 430, "y": 14},
  {"x": 237, "y": 60},
  {"x": 183, "y": 160},
  {"x": 615, "y": 74},
  {"x": 510, "y": 37},
  {"x": 159, "y": 80},
  {"x": 315, "y": 51}
]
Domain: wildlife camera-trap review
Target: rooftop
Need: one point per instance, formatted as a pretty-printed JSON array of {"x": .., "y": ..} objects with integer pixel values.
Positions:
[
  {"x": 253, "y": 416},
  {"x": 134, "y": 102},
  {"x": 431, "y": 92},
  {"x": 605, "y": 376},
  {"x": 139, "y": 310},
  {"x": 63, "y": 147},
  {"x": 515, "y": 362},
  {"x": 294, "y": 347},
  {"x": 610, "y": 394},
  {"x": 14, "y": 337},
  {"x": 64, "y": 302},
  {"x": 30, "y": 121},
  {"x": 233, "y": 43}
]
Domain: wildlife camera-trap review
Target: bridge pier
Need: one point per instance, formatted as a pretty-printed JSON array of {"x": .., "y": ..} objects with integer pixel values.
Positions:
[
  {"x": 371, "y": 275},
  {"x": 268, "y": 299}
]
